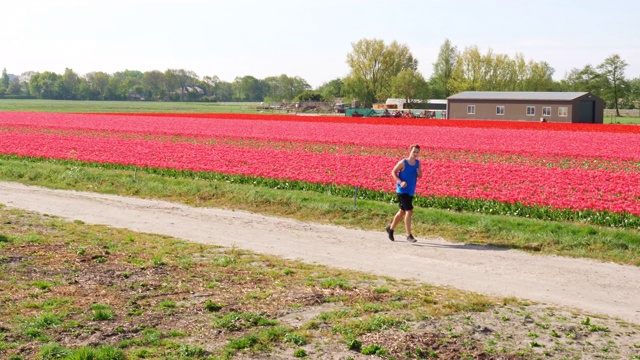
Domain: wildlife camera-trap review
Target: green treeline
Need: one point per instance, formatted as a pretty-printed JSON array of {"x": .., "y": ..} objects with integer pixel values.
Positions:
[
  {"x": 378, "y": 71},
  {"x": 170, "y": 85}
]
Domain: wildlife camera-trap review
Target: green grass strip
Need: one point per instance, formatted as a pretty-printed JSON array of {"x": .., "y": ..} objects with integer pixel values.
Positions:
[
  {"x": 335, "y": 205},
  {"x": 490, "y": 207}
]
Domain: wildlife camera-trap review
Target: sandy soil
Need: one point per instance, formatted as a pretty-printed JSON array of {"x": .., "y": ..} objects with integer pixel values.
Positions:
[{"x": 591, "y": 286}]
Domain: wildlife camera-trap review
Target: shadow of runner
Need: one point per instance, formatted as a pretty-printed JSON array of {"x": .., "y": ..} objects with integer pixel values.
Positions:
[{"x": 462, "y": 246}]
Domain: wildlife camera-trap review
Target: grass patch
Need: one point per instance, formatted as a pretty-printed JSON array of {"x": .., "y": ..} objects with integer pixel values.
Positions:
[
  {"x": 260, "y": 306},
  {"x": 92, "y": 106}
]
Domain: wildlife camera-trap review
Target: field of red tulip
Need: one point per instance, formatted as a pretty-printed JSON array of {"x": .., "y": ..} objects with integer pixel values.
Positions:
[{"x": 540, "y": 170}]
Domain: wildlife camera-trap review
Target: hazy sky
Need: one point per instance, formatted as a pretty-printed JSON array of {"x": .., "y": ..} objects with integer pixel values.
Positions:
[{"x": 310, "y": 39}]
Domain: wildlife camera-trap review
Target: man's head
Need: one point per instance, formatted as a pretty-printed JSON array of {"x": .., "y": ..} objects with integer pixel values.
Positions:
[{"x": 414, "y": 150}]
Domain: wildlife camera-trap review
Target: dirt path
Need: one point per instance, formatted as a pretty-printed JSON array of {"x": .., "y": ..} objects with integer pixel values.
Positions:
[{"x": 599, "y": 288}]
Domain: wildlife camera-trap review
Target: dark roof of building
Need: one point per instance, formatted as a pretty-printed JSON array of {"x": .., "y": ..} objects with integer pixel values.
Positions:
[{"x": 517, "y": 95}]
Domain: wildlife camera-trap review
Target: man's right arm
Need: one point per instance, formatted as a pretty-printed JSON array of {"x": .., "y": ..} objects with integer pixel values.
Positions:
[{"x": 396, "y": 169}]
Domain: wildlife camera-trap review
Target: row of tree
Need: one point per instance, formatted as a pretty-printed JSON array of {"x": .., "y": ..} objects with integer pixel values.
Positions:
[
  {"x": 170, "y": 85},
  {"x": 378, "y": 71}
]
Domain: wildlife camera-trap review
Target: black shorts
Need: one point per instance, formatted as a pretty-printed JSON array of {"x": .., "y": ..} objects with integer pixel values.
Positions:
[{"x": 406, "y": 201}]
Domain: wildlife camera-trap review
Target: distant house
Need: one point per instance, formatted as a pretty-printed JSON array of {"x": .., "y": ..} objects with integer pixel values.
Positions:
[
  {"x": 190, "y": 89},
  {"x": 572, "y": 107}
]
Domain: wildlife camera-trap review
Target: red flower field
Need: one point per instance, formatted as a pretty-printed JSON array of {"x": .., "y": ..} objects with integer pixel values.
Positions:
[{"x": 560, "y": 166}]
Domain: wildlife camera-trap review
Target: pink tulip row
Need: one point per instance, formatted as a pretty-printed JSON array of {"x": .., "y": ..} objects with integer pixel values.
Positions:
[
  {"x": 622, "y": 163},
  {"x": 508, "y": 140},
  {"x": 564, "y": 188}
]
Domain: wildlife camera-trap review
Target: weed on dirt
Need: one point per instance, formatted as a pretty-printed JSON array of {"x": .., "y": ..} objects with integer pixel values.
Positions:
[{"x": 72, "y": 290}]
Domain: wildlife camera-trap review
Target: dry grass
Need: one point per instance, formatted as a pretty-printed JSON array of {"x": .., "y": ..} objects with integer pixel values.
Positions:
[{"x": 69, "y": 286}]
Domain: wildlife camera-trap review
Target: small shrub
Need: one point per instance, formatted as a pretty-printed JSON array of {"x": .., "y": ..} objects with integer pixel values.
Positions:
[
  {"x": 354, "y": 345},
  {"x": 54, "y": 351},
  {"x": 102, "y": 352},
  {"x": 42, "y": 285},
  {"x": 211, "y": 306},
  {"x": 594, "y": 328},
  {"x": 158, "y": 261},
  {"x": 243, "y": 342},
  {"x": 300, "y": 353},
  {"x": 101, "y": 312},
  {"x": 167, "y": 304},
  {"x": 152, "y": 336},
  {"x": 47, "y": 320},
  {"x": 224, "y": 261},
  {"x": 295, "y": 338},
  {"x": 374, "y": 349},
  {"x": 189, "y": 351},
  {"x": 382, "y": 290},
  {"x": 237, "y": 321},
  {"x": 33, "y": 238},
  {"x": 143, "y": 353},
  {"x": 335, "y": 283}
]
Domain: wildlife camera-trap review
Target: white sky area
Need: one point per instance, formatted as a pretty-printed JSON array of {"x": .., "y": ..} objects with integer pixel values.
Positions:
[{"x": 309, "y": 39}]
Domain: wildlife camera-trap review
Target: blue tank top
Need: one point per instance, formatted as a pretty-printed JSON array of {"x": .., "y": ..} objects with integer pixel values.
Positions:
[{"x": 410, "y": 176}]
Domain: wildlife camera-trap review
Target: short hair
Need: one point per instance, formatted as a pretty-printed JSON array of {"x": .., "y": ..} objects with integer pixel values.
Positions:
[{"x": 414, "y": 146}]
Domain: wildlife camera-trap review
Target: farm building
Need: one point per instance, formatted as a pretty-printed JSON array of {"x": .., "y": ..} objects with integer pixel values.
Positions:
[{"x": 573, "y": 107}]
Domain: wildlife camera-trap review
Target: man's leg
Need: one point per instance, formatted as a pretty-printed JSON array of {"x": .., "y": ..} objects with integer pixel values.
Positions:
[
  {"x": 397, "y": 218},
  {"x": 407, "y": 221}
]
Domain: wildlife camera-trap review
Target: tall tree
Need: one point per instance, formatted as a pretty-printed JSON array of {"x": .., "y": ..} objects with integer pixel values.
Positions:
[
  {"x": 14, "y": 87},
  {"x": 153, "y": 84},
  {"x": 373, "y": 66},
  {"x": 84, "y": 90},
  {"x": 116, "y": 89},
  {"x": 504, "y": 72},
  {"x": 586, "y": 79},
  {"x": 469, "y": 71},
  {"x": 285, "y": 88},
  {"x": 219, "y": 90},
  {"x": 98, "y": 83},
  {"x": 410, "y": 85},
  {"x": 5, "y": 78},
  {"x": 172, "y": 84},
  {"x": 70, "y": 85},
  {"x": 224, "y": 91},
  {"x": 539, "y": 76},
  {"x": 520, "y": 71},
  {"x": 177, "y": 80},
  {"x": 332, "y": 89},
  {"x": 24, "y": 79},
  {"x": 129, "y": 83},
  {"x": 186, "y": 78},
  {"x": 497, "y": 72},
  {"x": 248, "y": 88},
  {"x": 613, "y": 72},
  {"x": 633, "y": 95},
  {"x": 45, "y": 85},
  {"x": 443, "y": 70}
]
